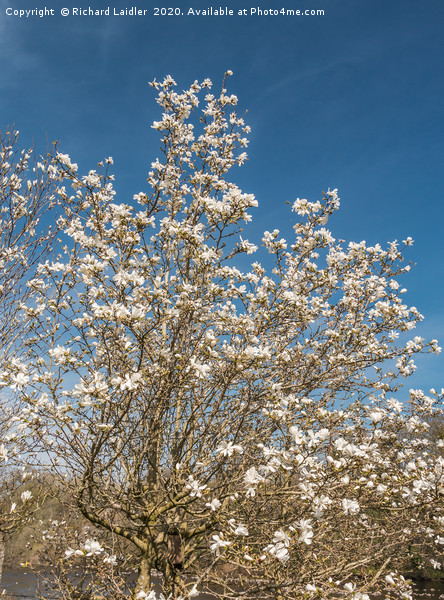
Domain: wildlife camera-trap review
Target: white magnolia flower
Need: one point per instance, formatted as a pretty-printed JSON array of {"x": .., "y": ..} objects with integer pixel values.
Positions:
[
  {"x": 409, "y": 494},
  {"x": 340, "y": 444},
  {"x": 70, "y": 552},
  {"x": 279, "y": 551},
  {"x": 218, "y": 544},
  {"x": 280, "y": 537},
  {"x": 214, "y": 504},
  {"x": 251, "y": 479},
  {"x": 200, "y": 369},
  {"x": 3, "y": 453},
  {"x": 228, "y": 448},
  {"x": 279, "y": 547},
  {"x": 25, "y": 496},
  {"x": 64, "y": 158},
  {"x": 132, "y": 381},
  {"x": 306, "y": 536},
  {"x": 248, "y": 246},
  {"x": 376, "y": 416},
  {"x": 395, "y": 405},
  {"x": 92, "y": 547},
  {"x": 195, "y": 488},
  {"x": 350, "y": 507},
  {"x": 110, "y": 560},
  {"x": 323, "y": 434},
  {"x": 298, "y": 436},
  {"x": 59, "y": 354},
  {"x": 321, "y": 504},
  {"x": 241, "y": 530},
  {"x": 19, "y": 380}
]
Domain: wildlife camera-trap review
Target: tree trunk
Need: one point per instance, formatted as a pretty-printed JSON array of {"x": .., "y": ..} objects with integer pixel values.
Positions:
[
  {"x": 2, "y": 554},
  {"x": 143, "y": 577},
  {"x": 172, "y": 582}
]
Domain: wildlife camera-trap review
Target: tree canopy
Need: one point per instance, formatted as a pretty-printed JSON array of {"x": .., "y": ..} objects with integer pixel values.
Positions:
[{"x": 230, "y": 417}]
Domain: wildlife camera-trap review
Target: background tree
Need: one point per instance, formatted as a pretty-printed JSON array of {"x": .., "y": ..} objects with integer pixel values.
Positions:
[
  {"x": 19, "y": 490},
  {"x": 436, "y": 433},
  {"x": 26, "y": 195},
  {"x": 223, "y": 417}
]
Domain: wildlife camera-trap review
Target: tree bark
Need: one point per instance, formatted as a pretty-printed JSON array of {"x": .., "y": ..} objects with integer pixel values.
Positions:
[
  {"x": 2, "y": 554},
  {"x": 143, "y": 576}
]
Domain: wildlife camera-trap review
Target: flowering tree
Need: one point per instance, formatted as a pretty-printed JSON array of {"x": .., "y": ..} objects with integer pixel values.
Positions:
[
  {"x": 26, "y": 196},
  {"x": 227, "y": 419}
]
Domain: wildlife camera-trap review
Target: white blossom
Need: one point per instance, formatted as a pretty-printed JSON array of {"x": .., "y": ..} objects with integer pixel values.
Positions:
[
  {"x": 92, "y": 547},
  {"x": 228, "y": 448},
  {"x": 215, "y": 504},
  {"x": 218, "y": 544},
  {"x": 26, "y": 495},
  {"x": 350, "y": 507}
]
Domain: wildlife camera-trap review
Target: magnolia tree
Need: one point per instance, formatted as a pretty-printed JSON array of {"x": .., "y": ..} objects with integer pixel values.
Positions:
[
  {"x": 233, "y": 421},
  {"x": 27, "y": 187}
]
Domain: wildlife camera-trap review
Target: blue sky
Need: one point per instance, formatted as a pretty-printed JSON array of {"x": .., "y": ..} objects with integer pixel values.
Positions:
[{"x": 352, "y": 100}]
